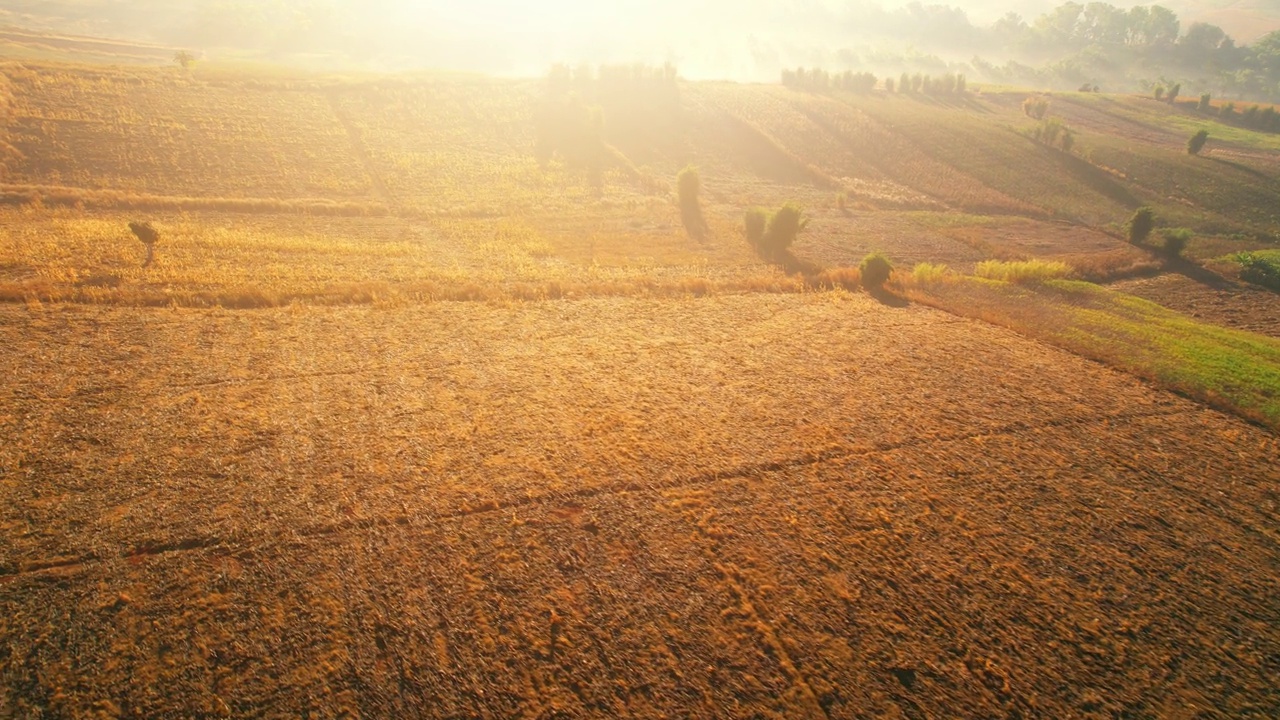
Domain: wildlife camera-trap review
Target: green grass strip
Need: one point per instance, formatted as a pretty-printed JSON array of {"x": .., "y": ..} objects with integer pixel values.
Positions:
[{"x": 1229, "y": 369}]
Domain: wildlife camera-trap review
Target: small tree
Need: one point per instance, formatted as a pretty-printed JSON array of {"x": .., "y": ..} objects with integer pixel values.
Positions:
[
  {"x": 689, "y": 187},
  {"x": 1159, "y": 93},
  {"x": 184, "y": 59},
  {"x": 149, "y": 236},
  {"x": 1068, "y": 140},
  {"x": 1173, "y": 93},
  {"x": 783, "y": 228},
  {"x": 875, "y": 270},
  {"x": 1141, "y": 225},
  {"x": 1197, "y": 141},
  {"x": 888, "y": 85},
  {"x": 1175, "y": 241},
  {"x": 1206, "y": 103},
  {"x": 772, "y": 234}
]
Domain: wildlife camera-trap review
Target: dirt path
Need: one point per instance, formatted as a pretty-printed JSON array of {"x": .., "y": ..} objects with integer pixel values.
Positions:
[{"x": 806, "y": 505}]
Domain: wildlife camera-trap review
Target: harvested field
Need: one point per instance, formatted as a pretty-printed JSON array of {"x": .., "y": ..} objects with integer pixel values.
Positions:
[
  {"x": 802, "y": 505},
  {"x": 442, "y": 396},
  {"x": 1226, "y": 303}
]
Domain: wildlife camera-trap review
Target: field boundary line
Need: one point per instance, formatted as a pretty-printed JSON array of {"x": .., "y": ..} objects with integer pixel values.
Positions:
[
  {"x": 34, "y": 567},
  {"x": 362, "y": 152}
]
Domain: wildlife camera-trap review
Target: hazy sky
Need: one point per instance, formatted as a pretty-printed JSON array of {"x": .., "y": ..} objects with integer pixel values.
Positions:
[
  {"x": 739, "y": 39},
  {"x": 736, "y": 39}
]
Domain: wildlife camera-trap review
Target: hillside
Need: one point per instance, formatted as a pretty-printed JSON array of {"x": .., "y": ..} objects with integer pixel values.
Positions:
[
  {"x": 431, "y": 400},
  {"x": 953, "y": 179}
]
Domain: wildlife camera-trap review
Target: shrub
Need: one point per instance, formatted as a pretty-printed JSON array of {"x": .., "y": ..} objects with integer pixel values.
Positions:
[
  {"x": 1197, "y": 141},
  {"x": 875, "y": 270},
  {"x": 688, "y": 187},
  {"x": 1228, "y": 110},
  {"x": 1159, "y": 94},
  {"x": 1206, "y": 103},
  {"x": 1141, "y": 225},
  {"x": 1258, "y": 270},
  {"x": 1035, "y": 108},
  {"x": 147, "y": 233},
  {"x": 904, "y": 83},
  {"x": 929, "y": 273},
  {"x": 772, "y": 233},
  {"x": 888, "y": 85},
  {"x": 1268, "y": 119},
  {"x": 1053, "y": 133},
  {"x": 783, "y": 228},
  {"x": 1022, "y": 271},
  {"x": 1172, "y": 97},
  {"x": 1175, "y": 240}
]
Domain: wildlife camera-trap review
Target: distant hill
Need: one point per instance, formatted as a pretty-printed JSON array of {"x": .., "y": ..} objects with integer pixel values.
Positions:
[
  {"x": 1049, "y": 49},
  {"x": 1244, "y": 20}
]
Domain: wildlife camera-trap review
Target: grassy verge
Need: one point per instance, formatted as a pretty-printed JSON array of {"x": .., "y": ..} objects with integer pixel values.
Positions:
[{"x": 1229, "y": 369}]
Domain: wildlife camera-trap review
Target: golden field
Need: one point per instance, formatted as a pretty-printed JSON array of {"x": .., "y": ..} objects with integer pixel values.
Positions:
[{"x": 403, "y": 422}]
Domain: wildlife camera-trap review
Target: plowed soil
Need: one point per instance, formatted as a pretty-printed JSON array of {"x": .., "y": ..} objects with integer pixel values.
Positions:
[
  {"x": 736, "y": 506},
  {"x": 1221, "y": 301}
]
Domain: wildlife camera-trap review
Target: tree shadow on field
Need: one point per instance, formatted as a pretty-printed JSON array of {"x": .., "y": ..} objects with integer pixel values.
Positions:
[
  {"x": 816, "y": 276},
  {"x": 888, "y": 299},
  {"x": 790, "y": 263},
  {"x": 1194, "y": 271},
  {"x": 956, "y": 102},
  {"x": 1241, "y": 167},
  {"x": 694, "y": 223},
  {"x": 1096, "y": 179}
]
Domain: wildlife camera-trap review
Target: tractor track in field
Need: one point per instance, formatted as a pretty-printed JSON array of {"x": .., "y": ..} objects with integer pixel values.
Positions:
[{"x": 191, "y": 544}]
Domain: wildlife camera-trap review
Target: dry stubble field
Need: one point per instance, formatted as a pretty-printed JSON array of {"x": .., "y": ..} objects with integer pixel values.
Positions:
[
  {"x": 634, "y": 473},
  {"x": 792, "y": 505}
]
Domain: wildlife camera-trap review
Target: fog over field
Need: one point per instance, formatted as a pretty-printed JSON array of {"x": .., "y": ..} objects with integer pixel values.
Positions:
[{"x": 716, "y": 39}]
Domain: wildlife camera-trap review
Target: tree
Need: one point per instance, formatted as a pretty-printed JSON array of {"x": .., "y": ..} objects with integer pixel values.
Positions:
[
  {"x": 1103, "y": 23},
  {"x": 1153, "y": 26},
  {"x": 147, "y": 233},
  {"x": 1172, "y": 97},
  {"x": 874, "y": 271},
  {"x": 184, "y": 59},
  {"x": 1202, "y": 42},
  {"x": 783, "y": 228},
  {"x": 1159, "y": 93},
  {"x": 689, "y": 187},
  {"x": 1197, "y": 141},
  {"x": 1059, "y": 26},
  {"x": 772, "y": 233},
  {"x": 1141, "y": 225},
  {"x": 1068, "y": 140}
]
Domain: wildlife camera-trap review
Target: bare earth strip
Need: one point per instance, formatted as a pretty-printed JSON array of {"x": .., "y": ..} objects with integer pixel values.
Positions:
[{"x": 805, "y": 505}]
